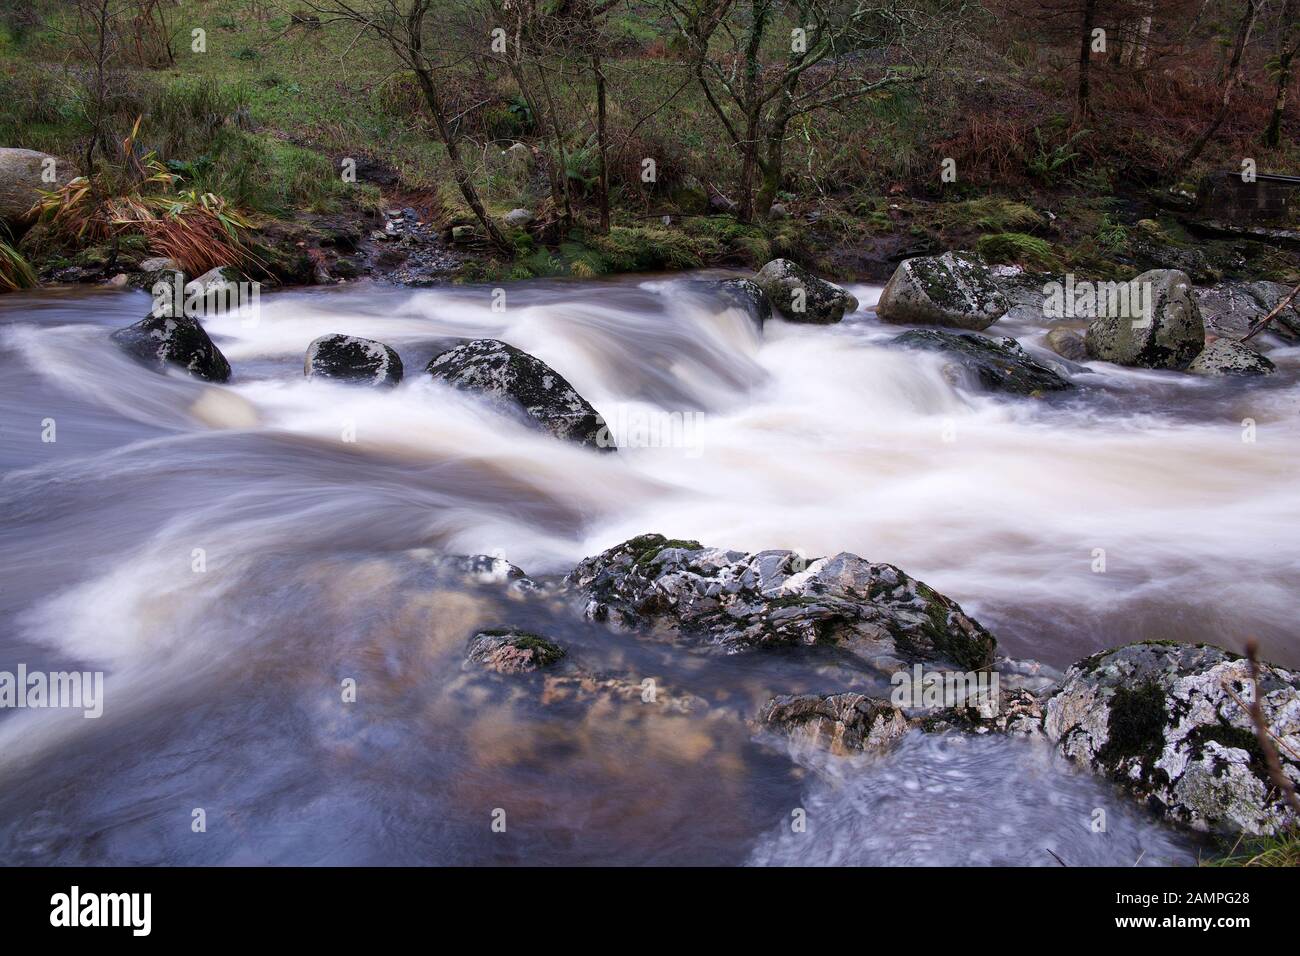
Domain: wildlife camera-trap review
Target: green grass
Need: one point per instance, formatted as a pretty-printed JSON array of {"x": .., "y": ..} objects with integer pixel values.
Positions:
[
  {"x": 1019, "y": 248},
  {"x": 1282, "y": 849}
]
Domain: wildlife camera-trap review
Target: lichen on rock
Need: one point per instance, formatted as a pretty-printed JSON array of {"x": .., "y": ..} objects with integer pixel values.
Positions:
[
  {"x": 514, "y": 380},
  {"x": 955, "y": 289},
  {"x": 1164, "y": 720},
  {"x": 740, "y": 601}
]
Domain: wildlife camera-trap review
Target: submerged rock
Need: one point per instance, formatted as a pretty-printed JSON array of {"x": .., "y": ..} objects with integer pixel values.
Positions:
[
  {"x": 955, "y": 289},
  {"x": 997, "y": 366},
  {"x": 841, "y": 723},
  {"x": 347, "y": 358},
  {"x": 510, "y": 650},
  {"x": 1225, "y": 357},
  {"x": 1164, "y": 721},
  {"x": 515, "y": 380},
  {"x": 161, "y": 341},
  {"x": 1170, "y": 337},
  {"x": 739, "y": 601},
  {"x": 1068, "y": 344},
  {"x": 799, "y": 296}
]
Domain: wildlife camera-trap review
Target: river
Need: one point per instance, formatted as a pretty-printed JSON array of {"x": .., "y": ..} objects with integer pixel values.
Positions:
[{"x": 228, "y": 555}]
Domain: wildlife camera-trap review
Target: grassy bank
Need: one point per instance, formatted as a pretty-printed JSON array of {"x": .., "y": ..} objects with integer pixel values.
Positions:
[{"x": 272, "y": 109}]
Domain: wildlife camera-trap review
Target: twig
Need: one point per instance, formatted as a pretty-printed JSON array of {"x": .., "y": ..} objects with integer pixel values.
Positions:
[
  {"x": 1280, "y": 779},
  {"x": 1246, "y": 708},
  {"x": 1259, "y": 326}
]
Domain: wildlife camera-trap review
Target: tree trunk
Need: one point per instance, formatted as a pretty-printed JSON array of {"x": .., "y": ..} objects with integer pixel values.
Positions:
[
  {"x": 601, "y": 143},
  {"x": 460, "y": 172},
  {"x": 1232, "y": 80},
  {"x": 1085, "y": 59},
  {"x": 1285, "y": 54},
  {"x": 753, "y": 105}
]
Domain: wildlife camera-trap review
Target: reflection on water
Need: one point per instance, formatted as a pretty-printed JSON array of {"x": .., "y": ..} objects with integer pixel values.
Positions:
[{"x": 223, "y": 688}]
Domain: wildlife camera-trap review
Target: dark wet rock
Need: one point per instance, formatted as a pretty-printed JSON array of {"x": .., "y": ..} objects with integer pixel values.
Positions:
[
  {"x": 739, "y": 601},
  {"x": 484, "y": 569},
  {"x": 1169, "y": 338},
  {"x": 1231, "y": 309},
  {"x": 799, "y": 296},
  {"x": 1068, "y": 344},
  {"x": 955, "y": 289},
  {"x": 516, "y": 380},
  {"x": 347, "y": 358},
  {"x": 509, "y": 650},
  {"x": 997, "y": 366},
  {"x": 841, "y": 723},
  {"x": 1164, "y": 720},
  {"x": 747, "y": 295},
  {"x": 1225, "y": 357},
  {"x": 161, "y": 341}
]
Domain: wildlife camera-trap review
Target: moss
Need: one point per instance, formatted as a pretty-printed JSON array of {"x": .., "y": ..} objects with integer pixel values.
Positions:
[
  {"x": 1136, "y": 727},
  {"x": 1237, "y": 738},
  {"x": 654, "y": 549}
]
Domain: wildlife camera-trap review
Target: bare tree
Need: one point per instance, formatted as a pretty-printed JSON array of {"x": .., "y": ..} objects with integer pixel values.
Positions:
[
  {"x": 1288, "y": 44},
  {"x": 1231, "y": 81},
  {"x": 402, "y": 25},
  {"x": 757, "y": 78}
]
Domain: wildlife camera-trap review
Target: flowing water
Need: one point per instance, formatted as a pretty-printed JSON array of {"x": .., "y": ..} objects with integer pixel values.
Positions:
[{"x": 229, "y": 555}]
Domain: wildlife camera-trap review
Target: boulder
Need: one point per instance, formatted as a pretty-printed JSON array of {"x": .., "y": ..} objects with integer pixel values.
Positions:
[
  {"x": 217, "y": 290},
  {"x": 22, "y": 177},
  {"x": 1225, "y": 357},
  {"x": 517, "y": 161},
  {"x": 739, "y": 601},
  {"x": 799, "y": 296},
  {"x": 1230, "y": 309},
  {"x": 510, "y": 650},
  {"x": 1166, "y": 721},
  {"x": 159, "y": 264},
  {"x": 518, "y": 218},
  {"x": 1170, "y": 337},
  {"x": 745, "y": 294},
  {"x": 347, "y": 358},
  {"x": 955, "y": 289},
  {"x": 1068, "y": 344},
  {"x": 841, "y": 723},
  {"x": 996, "y": 366},
  {"x": 164, "y": 340},
  {"x": 515, "y": 380}
]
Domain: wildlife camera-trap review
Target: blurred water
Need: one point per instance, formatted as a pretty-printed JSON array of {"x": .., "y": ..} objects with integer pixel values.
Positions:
[{"x": 223, "y": 686}]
